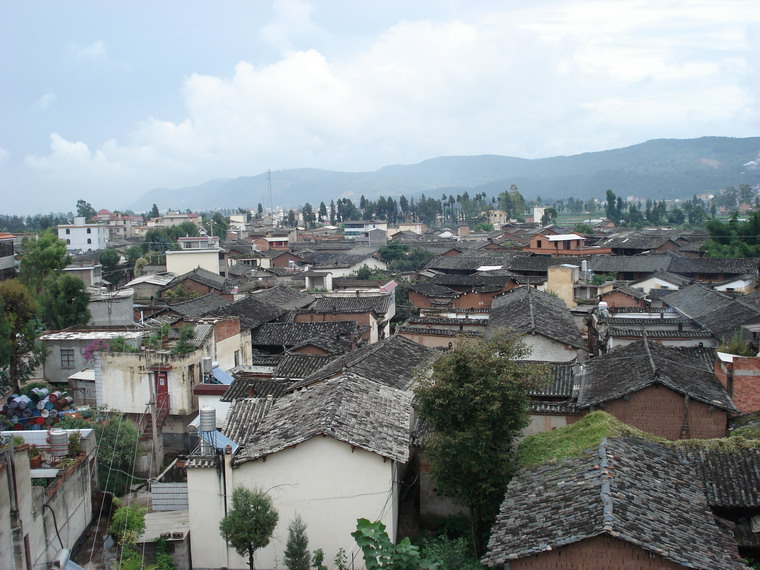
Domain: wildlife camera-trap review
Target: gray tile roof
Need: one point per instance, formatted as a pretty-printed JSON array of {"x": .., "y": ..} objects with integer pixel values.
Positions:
[
  {"x": 642, "y": 364},
  {"x": 379, "y": 304},
  {"x": 657, "y": 333},
  {"x": 713, "y": 265},
  {"x": 285, "y": 297},
  {"x": 526, "y": 310},
  {"x": 248, "y": 387},
  {"x": 630, "y": 291},
  {"x": 672, "y": 278},
  {"x": 719, "y": 313},
  {"x": 562, "y": 382},
  {"x": 299, "y": 366},
  {"x": 476, "y": 280},
  {"x": 350, "y": 408},
  {"x": 199, "y": 306},
  {"x": 429, "y": 289},
  {"x": 629, "y": 263},
  {"x": 244, "y": 417},
  {"x": 293, "y": 334},
  {"x": 631, "y": 489},
  {"x": 252, "y": 311},
  {"x": 392, "y": 361},
  {"x": 731, "y": 477},
  {"x": 200, "y": 275}
]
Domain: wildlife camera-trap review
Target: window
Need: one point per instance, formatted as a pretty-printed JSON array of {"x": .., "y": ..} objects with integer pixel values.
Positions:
[
  {"x": 89, "y": 240},
  {"x": 68, "y": 231},
  {"x": 68, "y": 242},
  {"x": 237, "y": 358},
  {"x": 538, "y": 243},
  {"x": 67, "y": 358},
  {"x": 89, "y": 230}
]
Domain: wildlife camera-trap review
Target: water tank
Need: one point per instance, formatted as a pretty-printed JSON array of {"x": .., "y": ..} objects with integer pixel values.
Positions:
[
  {"x": 206, "y": 365},
  {"x": 208, "y": 419},
  {"x": 59, "y": 442}
]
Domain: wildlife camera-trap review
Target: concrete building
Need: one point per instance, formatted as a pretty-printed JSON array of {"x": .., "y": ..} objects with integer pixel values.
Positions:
[{"x": 83, "y": 236}]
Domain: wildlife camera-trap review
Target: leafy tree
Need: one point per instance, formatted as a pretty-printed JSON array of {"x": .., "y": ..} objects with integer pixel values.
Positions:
[
  {"x": 42, "y": 257},
  {"x": 380, "y": 552},
  {"x": 297, "y": 547},
  {"x": 127, "y": 524},
  {"x": 583, "y": 229},
  {"x": 64, "y": 302},
  {"x": 322, "y": 212},
  {"x": 250, "y": 523},
  {"x": 308, "y": 215},
  {"x": 549, "y": 217},
  {"x": 20, "y": 353},
  {"x": 291, "y": 219},
  {"x": 186, "y": 334},
  {"x": 110, "y": 259},
  {"x": 154, "y": 213},
  {"x": 332, "y": 213},
  {"x": 475, "y": 403},
  {"x": 734, "y": 238},
  {"x": 85, "y": 210},
  {"x": 118, "y": 443}
]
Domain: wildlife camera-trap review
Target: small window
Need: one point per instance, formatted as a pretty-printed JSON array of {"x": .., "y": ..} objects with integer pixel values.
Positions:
[
  {"x": 68, "y": 242},
  {"x": 68, "y": 231},
  {"x": 67, "y": 358},
  {"x": 538, "y": 243},
  {"x": 89, "y": 240},
  {"x": 237, "y": 358},
  {"x": 89, "y": 230}
]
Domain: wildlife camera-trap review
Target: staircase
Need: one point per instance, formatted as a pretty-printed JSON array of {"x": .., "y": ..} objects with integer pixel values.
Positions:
[{"x": 161, "y": 414}]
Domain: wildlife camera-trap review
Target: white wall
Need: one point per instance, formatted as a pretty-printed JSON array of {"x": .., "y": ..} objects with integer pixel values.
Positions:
[
  {"x": 547, "y": 350},
  {"x": 181, "y": 262},
  {"x": 323, "y": 480}
]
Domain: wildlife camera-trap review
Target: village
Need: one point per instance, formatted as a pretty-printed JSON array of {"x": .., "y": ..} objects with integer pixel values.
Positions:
[{"x": 274, "y": 352}]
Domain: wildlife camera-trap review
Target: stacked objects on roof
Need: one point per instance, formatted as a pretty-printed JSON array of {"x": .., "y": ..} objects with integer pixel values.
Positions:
[{"x": 39, "y": 408}]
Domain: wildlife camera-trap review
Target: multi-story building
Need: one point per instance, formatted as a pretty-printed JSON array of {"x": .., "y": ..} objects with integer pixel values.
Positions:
[
  {"x": 7, "y": 256},
  {"x": 83, "y": 236}
]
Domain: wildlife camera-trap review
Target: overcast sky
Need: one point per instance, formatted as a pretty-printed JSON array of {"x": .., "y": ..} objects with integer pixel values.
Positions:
[{"x": 107, "y": 100}]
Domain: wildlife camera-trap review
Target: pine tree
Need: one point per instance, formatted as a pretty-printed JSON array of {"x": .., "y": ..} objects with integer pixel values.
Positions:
[{"x": 297, "y": 549}]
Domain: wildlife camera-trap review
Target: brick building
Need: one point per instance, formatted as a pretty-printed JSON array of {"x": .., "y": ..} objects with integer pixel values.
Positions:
[{"x": 670, "y": 392}]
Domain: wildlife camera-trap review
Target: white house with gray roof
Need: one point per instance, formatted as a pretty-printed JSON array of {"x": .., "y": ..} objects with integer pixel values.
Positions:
[{"x": 332, "y": 453}]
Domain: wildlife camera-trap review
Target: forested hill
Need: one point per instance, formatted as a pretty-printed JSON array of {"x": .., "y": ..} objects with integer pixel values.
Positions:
[{"x": 663, "y": 168}]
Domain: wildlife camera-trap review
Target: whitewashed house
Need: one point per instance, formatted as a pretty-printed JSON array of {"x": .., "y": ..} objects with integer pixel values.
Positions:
[{"x": 332, "y": 453}]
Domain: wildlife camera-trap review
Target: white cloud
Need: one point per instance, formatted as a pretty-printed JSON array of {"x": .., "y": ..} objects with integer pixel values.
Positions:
[
  {"x": 46, "y": 101},
  {"x": 95, "y": 51},
  {"x": 534, "y": 82}
]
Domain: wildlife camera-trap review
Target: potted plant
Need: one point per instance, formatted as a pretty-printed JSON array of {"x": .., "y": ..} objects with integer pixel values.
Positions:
[{"x": 35, "y": 457}]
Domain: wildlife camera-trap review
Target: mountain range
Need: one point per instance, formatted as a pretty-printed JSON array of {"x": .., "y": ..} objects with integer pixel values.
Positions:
[{"x": 657, "y": 169}]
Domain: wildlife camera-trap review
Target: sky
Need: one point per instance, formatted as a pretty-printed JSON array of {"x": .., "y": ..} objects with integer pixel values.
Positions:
[{"x": 104, "y": 101}]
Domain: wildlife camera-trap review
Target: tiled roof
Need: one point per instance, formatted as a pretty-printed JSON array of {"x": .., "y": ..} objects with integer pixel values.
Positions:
[
  {"x": 657, "y": 333},
  {"x": 644, "y": 363},
  {"x": 200, "y": 275},
  {"x": 731, "y": 477},
  {"x": 379, "y": 304},
  {"x": 659, "y": 294},
  {"x": 628, "y": 488},
  {"x": 561, "y": 385},
  {"x": 438, "y": 332},
  {"x": 717, "y": 312},
  {"x": 465, "y": 322},
  {"x": 292, "y": 334},
  {"x": 470, "y": 261},
  {"x": 199, "y": 306},
  {"x": 429, "y": 289},
  {"x": 350, "y": 408},
  {"x": 392, "y": 361},
  {"x": 476, "y": 280},
  {"x": 566, "y": 407},
  {"x": 630, "y": 291},
  {"x": 540, "y": 263},
  {"x": 666, "y": 321},
  {"x": 714, "y": 265},
  {"x": 285, "y": 297},
  {"x": 667, "y": 276},
  {"x": 252, "y": 311},
  {"x": 246, "y": 387},
  {"x": 299, "y": 366},
  {"x": 526, "y": 310},
  {"x": 629, "y": 263},
  {"x": 244, "y": 417}
]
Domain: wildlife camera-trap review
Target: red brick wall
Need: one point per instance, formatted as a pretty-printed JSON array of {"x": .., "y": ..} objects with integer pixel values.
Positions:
[
  {"x": 284, "y": 260},
  {"x": 474, "y": 300},
  {"x": 598, "y": 553},
  {"x": 362, "y": 318},
  {"x": 746, "y": 384},
  {"x": 618, "y": 299},
  {"x": 226, "y": 328},
  {"x": 660, "y": 410},
  {"x": 418, "y": 300},
  {"x": 261, "y": 244}
]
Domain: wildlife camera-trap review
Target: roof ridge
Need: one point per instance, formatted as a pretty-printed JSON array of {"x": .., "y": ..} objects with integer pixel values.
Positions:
[
  {"x": 605, "y": 491},
  {"x": 530, "y": 310},
  {"x": 649, "y": 354}
]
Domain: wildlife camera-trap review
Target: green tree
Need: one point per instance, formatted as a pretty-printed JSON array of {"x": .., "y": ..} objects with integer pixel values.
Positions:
[
  {"x": 583, "y": 229},
  {"x": 64, "y": 302},
  {"x": 118, "y": 443},
  {"x": 85, "y": 210},
  {"x": 475, "y": 404},
  {"x": 110, "y": 260},
  {"x": 291, "y": 219},
  {"x": 297, "y": 547},
  {"x": 20, "y": 353},
  {"x": 250, "y": 523},
  {"x": 42, "y": 257},
  {"x": 127, "y": 524},
  {"x": 154, "y": 213}
]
